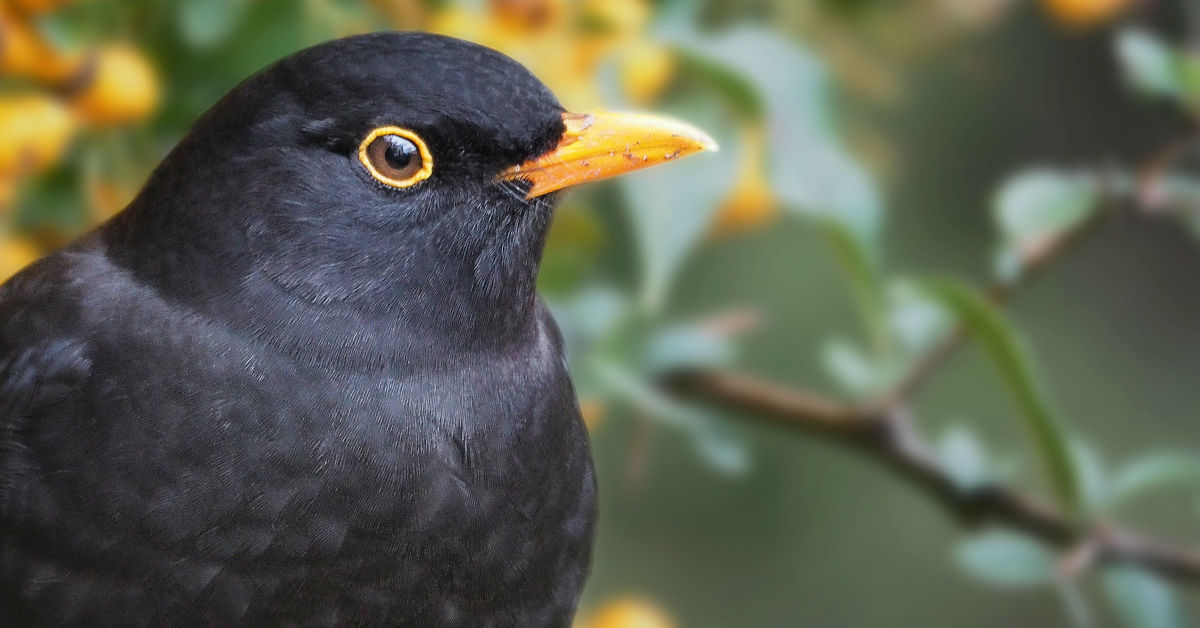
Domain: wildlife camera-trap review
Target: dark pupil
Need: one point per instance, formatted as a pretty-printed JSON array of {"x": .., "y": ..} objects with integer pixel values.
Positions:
[{"x": 399, "y": 152}]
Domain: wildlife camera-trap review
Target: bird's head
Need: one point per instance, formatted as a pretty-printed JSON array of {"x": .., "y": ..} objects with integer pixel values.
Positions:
[{"x": 394, "y": 170}]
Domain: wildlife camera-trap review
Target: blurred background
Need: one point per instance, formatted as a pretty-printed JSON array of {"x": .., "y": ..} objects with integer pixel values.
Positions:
[{"x": 883, "y": 162}]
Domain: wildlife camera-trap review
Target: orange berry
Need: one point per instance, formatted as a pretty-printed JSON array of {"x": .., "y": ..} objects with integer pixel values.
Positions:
[
  {"x": 37, "y": 6},
  {"x": 1083, "y": 13},
  {"x": 36, "y": 130},
  {"x": 118, "y": 87},
  {"x": 23, "y": 52},
  {"x": 751, "y": 203},
  {"x": 106, "y": 199},
  {"x": 19, "y": 46},
  {"x": 528, "y": 15},
  {"x": 618, "y": 17},
  {"x": 631, "y": 613}
]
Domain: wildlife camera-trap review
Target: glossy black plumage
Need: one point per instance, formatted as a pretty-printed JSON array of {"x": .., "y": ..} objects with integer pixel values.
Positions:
[{"x": 275, "y": 391}]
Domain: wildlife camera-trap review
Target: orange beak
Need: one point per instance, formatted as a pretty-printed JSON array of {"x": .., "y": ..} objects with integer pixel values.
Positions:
[{"x": 601, "y": 145}]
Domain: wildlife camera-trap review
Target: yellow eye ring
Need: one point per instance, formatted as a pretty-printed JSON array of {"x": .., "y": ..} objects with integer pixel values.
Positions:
[{"x": 391, "y": 154}]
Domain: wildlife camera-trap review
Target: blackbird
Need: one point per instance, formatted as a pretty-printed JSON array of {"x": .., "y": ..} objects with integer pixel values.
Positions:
[{"x": 304, "y": 378}]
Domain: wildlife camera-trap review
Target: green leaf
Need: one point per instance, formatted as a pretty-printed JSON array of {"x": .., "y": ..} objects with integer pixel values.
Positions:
[
  {"x": 722, "y": 448},
  {"x": 1151, "y": 66},
  {"x": 671, "y": 207},
  {"x": 726, "y": 80},
  {"x": 1093, "y": 483},
  {"x": 850, "y": 368},
  {"x": 591, "y": 314},
  {"x": 1152, "y": 472},
  {"x": 963, "y": 457},
  {"x": 808, "y": 167},
  {"x": 1005, "y": 559},
  {"x": 1142, "y": 600},
  {"x": 1012, "y": 360},
  {"x": 1189, "y": 70},
  {"x": 914, "y": 319},
  {"x": 864, "y": 278},
  {"x": 1035, "y": 208},
  {"x": 687, "y": 346},
  {"x": 204, "y": 24}
]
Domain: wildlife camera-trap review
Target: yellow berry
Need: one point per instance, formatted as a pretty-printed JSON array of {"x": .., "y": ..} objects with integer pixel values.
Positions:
[
  {"x": 457, "y": 22},
  {"x": 36, "y": 129},
  {"x": 118, "y": 87},
  {"x": 15, "y": 255},
  {"x": 631, "y": 613},
  {"x": 646, "y": 68}
]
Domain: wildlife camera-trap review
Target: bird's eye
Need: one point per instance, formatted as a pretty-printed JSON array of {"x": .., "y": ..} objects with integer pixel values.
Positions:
[{"x": 396, "y": 157}]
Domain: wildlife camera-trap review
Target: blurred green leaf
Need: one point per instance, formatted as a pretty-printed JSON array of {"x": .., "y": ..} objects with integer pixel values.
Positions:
[
  {"x": 728, "y": 81},
  {"x": 808, "y": 166},
  {"x": 591, "y": 314},
  {"x": 915, "y": 320},
  {"x": 1142, "y": 600},
  {"x": 687, "y": 346},
  {"x": 850, "y": 368},
  {"x": 1035, "y": 208},
  {"x": 670, "y": 209},
  {"x": 715, "y": 442},
  {"x": 204, "y": 24},
  {"x": 866, "y": 285},
  {"x": 1011, "y": 358},
  {"x": 1093, "y": 482},
  {"x": 67, "y": 31},
  {"x": 723, "y": 448},
  {"x": 575, "y": 240},
  {"x": 1150, "y": 64},
  {"x": 1155, "y": 471},
  {"x": 1157, "y": 68},
  {"x": 1005, "y": 559},
  {"x": 963, "y": 457}
]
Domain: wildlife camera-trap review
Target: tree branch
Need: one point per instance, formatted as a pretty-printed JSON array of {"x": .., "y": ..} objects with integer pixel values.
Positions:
[{"x": 887, "y": 437}]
